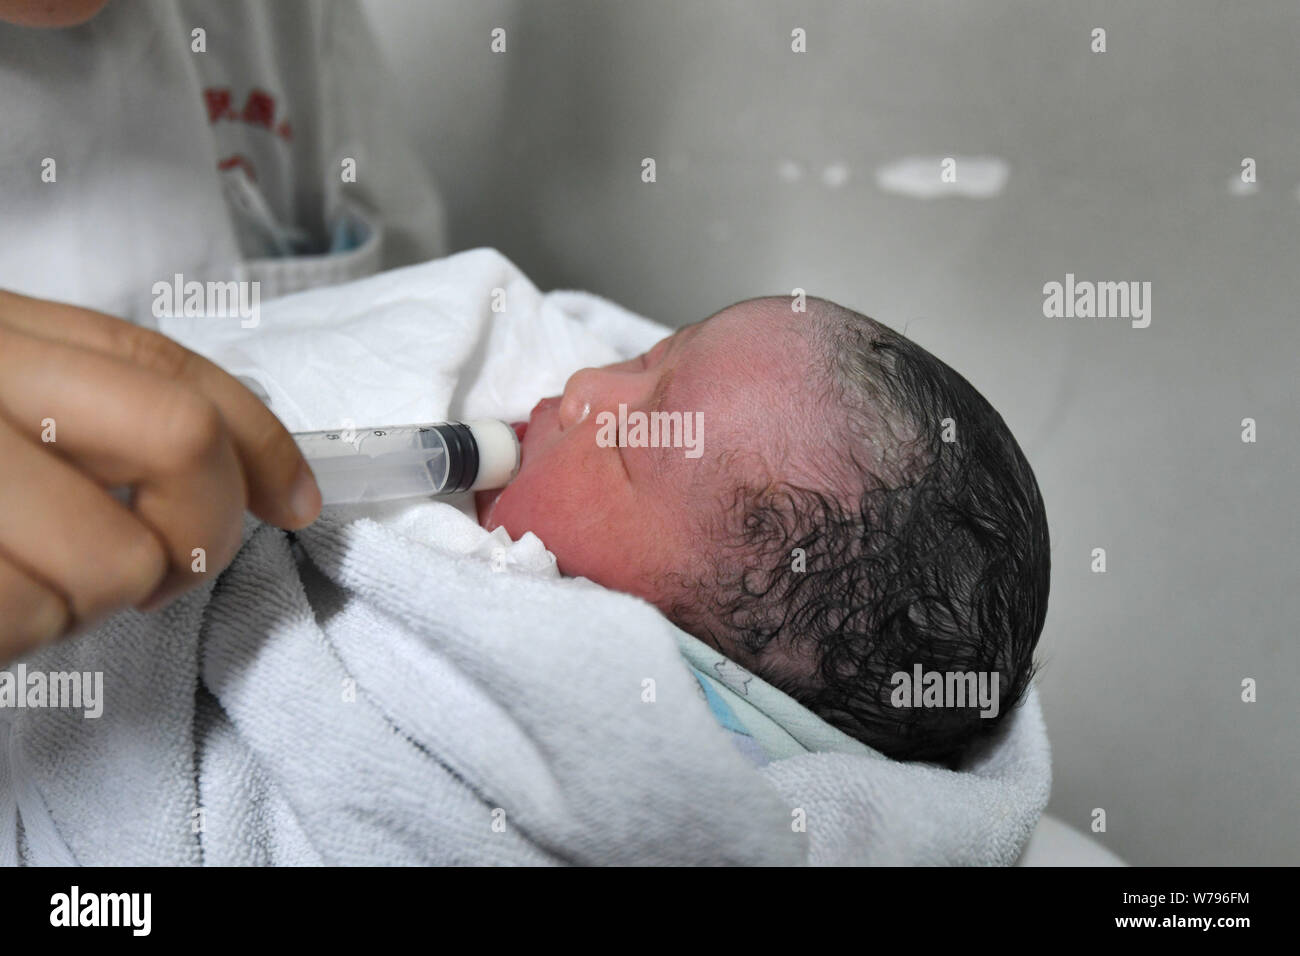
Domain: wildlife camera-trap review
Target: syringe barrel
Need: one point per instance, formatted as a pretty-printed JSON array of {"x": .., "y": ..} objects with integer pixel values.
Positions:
[{"x": 409, "y": 461}]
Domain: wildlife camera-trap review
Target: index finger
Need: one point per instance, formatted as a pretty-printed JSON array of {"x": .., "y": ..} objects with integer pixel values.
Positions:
[{"x": 281, "y": 488}]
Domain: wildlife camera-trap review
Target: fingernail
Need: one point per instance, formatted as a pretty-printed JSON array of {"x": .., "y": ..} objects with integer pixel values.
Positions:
[{"x": 305, "y": 499}]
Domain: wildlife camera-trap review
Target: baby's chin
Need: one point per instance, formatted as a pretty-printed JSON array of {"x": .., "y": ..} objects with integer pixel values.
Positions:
[{"x": 484, "y": 504}]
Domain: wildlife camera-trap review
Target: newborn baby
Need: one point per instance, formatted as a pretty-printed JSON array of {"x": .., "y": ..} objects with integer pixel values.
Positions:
[{"x": 852, "y": 508}]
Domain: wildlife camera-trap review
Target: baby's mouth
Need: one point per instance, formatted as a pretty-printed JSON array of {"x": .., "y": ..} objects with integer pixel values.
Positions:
[{"x": 520, "y": 428}]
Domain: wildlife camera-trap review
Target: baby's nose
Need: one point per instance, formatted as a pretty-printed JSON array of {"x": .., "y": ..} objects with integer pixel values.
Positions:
[
  {"x": 590, "y": 391},
  {"x": 573, "y": 410},
  {"x": 580, "y": 392}
]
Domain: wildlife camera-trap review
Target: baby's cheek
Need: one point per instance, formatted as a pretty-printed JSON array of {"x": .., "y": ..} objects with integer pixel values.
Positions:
[
  {"x": 584, "y": 523},
  {"x": 523, "y": 508},
  {"x": 526, "y": 504}
]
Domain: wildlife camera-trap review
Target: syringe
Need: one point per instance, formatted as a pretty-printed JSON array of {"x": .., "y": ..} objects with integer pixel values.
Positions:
[{"x": 410, "y": 461}]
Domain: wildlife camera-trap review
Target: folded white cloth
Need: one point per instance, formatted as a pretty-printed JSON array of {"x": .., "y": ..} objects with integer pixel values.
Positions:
[{"x": 396, "y": 685}]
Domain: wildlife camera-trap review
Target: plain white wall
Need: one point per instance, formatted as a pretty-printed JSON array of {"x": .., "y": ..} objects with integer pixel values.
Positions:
[{"x": 1119, "y": 170}]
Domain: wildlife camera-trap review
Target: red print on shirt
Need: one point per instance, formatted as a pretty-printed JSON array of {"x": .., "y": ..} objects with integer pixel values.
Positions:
[
  {"x": 242, "y": 162},
  {"x": 218, "y": 102},
  {"x": 258, "y": 110}
]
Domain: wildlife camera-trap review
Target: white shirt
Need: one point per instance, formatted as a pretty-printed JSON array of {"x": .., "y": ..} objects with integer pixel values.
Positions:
[{"x": 152, "y": 149}]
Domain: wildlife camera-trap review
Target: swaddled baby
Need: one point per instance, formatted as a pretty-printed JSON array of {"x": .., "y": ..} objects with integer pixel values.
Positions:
[{"x": 832, "y": 507}]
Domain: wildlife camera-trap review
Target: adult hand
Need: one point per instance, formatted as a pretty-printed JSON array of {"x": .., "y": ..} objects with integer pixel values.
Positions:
[{"x": 89, "y": 403}]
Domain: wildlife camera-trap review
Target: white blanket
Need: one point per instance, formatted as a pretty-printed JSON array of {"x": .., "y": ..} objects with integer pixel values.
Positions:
[{"x": 377, "y": 693}]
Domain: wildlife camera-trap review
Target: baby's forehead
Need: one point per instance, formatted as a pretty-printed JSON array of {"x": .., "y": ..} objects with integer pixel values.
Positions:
[
  {"x": 770, "y": 309},
  {"x": 758, "y": 382},
  {"x": 754, "y": 355},
  {"x": 780, "y": 359},
  {"x": 759, "y": 330},
  {"x": 811, "y": 328}
]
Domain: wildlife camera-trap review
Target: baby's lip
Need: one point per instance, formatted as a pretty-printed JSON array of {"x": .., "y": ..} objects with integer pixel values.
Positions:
[
  {"x": 520, "y": 428},
  {"x": 542, "y": 405}
]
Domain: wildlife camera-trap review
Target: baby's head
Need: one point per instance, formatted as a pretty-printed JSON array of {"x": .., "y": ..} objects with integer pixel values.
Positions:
[{"x": 852, "y": 508}]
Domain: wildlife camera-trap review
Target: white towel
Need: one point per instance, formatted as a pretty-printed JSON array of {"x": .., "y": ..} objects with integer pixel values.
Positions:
[{"x": 377, "y": 693}]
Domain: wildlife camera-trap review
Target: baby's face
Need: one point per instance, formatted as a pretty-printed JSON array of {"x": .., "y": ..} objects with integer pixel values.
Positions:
[{"x": 625, "y": 516}]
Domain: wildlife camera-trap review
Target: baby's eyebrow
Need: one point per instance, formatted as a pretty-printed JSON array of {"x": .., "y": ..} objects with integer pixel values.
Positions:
[
  {"x": 660, "y": 457},
  {"x": 673, "y": 342},
  {"x": 661, "y": 389}
]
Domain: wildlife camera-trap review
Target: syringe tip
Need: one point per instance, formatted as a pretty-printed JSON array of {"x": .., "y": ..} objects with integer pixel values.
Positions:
[{"x": 498, "y": 453}]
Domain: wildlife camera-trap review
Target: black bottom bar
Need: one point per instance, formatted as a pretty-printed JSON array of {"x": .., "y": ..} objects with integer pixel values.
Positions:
[{"x": 218, "y": 906}]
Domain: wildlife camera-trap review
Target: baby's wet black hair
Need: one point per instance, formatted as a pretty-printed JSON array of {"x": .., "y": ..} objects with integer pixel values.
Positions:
[{"x": 940, "y": 559}]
